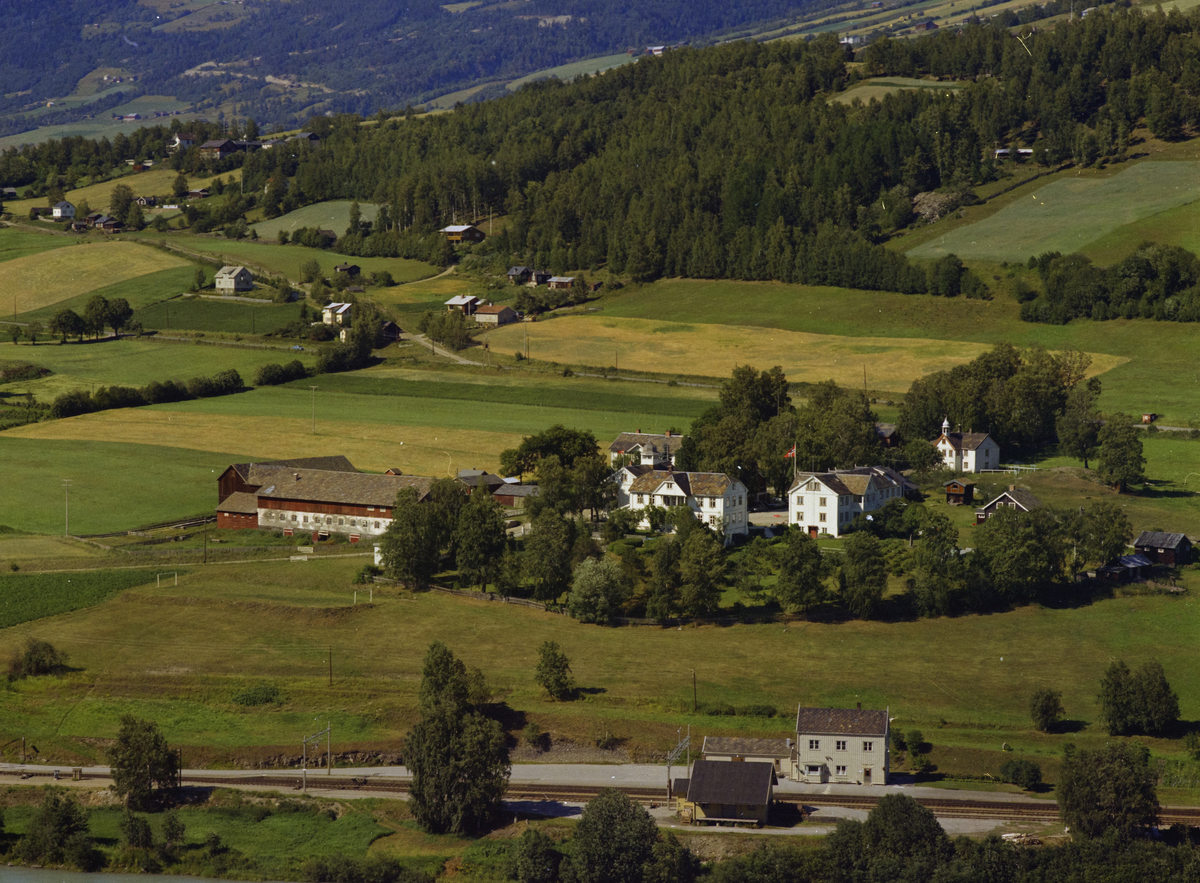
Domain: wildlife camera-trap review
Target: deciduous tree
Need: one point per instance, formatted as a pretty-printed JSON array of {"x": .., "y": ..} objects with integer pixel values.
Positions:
[
  {"x": 479, "y": 537},
  {"x": 1121, "y": 461},
  {"x": 614, "y": 839},
  {"x": 554, "y": 671},
  {"x": 1111, "y": 788},
  {"x": 864, "y": 574},
  {"x": 598, "y": 590},
  {"x": 1046, "y": 709},
  {"x": 141, "y": 761},
  {"x": 802, "y": 573}
]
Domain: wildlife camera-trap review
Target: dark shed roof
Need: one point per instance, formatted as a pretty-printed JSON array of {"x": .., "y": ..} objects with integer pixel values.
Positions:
[
  {"x": 747, "y": 747},
  {"x": 732, "y": 782},
  {"x": 1159, "y": 539}
]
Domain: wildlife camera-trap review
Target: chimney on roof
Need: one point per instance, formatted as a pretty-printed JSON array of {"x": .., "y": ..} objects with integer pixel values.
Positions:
[
  {"x": 668, "y": 433},
  {"x": 860, "y": 706},
  {"x": 639, "y": 432},
  {"x": 1012, "y": 487},
  {"x": 296, "y": 475}
]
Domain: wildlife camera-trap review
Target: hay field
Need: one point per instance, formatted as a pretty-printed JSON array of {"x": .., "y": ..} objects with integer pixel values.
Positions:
[
  {"x": 333, "y": 215},
  {"x": 714, "y": 351},
  {"x": 372, "y": 447},
  {"x": 140, "y": 292},
  {"x": 878, "y": 87},
  {"x": 17, "y": 243},
  {"x": 48, "y": 278},
  {"x": 1070, "y": 213},
  {"x": 152, "y": 182}
]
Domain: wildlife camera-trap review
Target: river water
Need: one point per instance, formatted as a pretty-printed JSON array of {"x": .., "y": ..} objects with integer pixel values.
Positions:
[{"x": 41, "y": 875}]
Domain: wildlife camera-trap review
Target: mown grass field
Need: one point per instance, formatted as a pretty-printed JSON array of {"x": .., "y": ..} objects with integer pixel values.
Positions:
[
  {"x": 333, "y": 215},
  {"x": 684, "y": 348},
  {"x": 198, "y": 314},
  {"x": 42, "y": 280},
  {"x": 140, "y": 292},
  {"x": 17, "y": 243},
  {"x": 133, "y": 362},
  {"x": 1069, "y": 214},
  {"x": 286, "y": 260},
  {"x": 878, "y": 87},
  {"x": 1151, "y": 366},
  {"x": 114, "y": 486},
  {"x": 965, "y": 681}
]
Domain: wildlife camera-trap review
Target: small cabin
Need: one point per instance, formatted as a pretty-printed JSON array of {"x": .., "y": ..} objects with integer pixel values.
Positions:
[{"x": 959, "y": 492}]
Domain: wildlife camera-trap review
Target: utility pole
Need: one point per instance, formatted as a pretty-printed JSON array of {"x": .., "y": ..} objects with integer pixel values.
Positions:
[
  {"x": 331, "y": 665},
  {"x": 695, "y": 705},
  {"x": 314, "y": 409},
  {"x": 206, "y": 544},
  {"x": 316, "y": 739},
  {"x": 67, "y": 489}
]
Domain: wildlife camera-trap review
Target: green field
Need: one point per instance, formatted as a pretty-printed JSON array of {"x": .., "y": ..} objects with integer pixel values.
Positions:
[
  {"x": 575, "y": 69},
  {"x": 333, "y": 215},
  {"x": 132, "y": 362},
  {"x": 225, "y": 627},
  {"x": 1070, "y": 213},
  {"x": 113, "y": 486},
  {"x": 41, "y": 595},
  {"x": 140, "y": 291},
  {"x": 157, "y": 181},
  {"x": 16, "y": 243},
  {"x": 198, "y": 314},
  {"x": 286, "y": 260}
]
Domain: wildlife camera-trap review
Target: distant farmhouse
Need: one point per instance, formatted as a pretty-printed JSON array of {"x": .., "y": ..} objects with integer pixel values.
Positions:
[
  {"x": 967, "y": 451},
  {"x": 1013, "y": 498},
  {"x": 63, "y": 211},
  {"x": 320, "y": 496},
  {"x": 336, "y": 314},
  {"x": 231, "y": 279},
  {"x": 1172, "y": 549},
  {"x": 493, "y": 314},
  {"x": 645, "y": 448}
]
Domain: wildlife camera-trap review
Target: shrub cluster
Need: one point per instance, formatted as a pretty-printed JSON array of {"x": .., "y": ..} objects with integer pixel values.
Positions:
[
  {"x": 723, "y": 710},
  {"x": 274, "y": 375},
  {"x": 259, "y": 694},
  {"x": 80, "y": 401}
]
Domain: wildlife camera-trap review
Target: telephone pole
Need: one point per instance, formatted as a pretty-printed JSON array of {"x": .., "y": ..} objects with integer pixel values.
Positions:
[{"x": 67, "y": 489}]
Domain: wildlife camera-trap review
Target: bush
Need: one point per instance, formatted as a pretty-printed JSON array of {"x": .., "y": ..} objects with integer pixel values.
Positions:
[
  {"x": 914, "y": 740},
  {"x": 1046, "y": 709},
  {"x": 1025, "y": 773},
  {"x": 343, "y": 869},
  {"x": 273, "y": 375},
  {"x": 38, "y": 658},
  {"x": 758, "y": 710},
  {"x": 719, "y": 710},
  {"x": 259, "y": 694},
  {"x": 367, "y": 574},
  {"x": 534, "y": 737}
]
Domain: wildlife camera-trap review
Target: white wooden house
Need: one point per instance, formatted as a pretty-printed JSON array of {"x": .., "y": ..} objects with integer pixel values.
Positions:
[
  {"x": 63, "y": 211},
  {"x": 967, "y": 451},
  {"x": 715, "y": 498},
  {"x": 846, "y": 745},
  {"x": 336, "y": 314},
  {"x": 828, "y": 502},
  {"x": 232, "y": 279}
]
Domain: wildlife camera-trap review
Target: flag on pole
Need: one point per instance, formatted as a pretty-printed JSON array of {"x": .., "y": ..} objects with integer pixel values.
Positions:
[{"x": 791, "y": 453}]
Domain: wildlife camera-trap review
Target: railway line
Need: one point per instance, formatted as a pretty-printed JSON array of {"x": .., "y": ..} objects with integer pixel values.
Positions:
[{"x": 1038, "y": 812}]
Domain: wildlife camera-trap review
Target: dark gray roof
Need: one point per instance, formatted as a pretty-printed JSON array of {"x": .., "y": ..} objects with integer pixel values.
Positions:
[
  {"x": 516, "y": 490},
  {"x": 840, "y": 721},
  {"x": 1025, "y": 501},
  {"x": 742, "y": 747},
  {"x": 1160, "y": 539},
  {"x": 347, "y": 488},
  {"x": 626, "y": 441},
  {"x": 966, "y": 441},
  {"x": 731, "y": 782},
  {"x": 240, "y": 503},
  {"x": 253, "y": 471}
]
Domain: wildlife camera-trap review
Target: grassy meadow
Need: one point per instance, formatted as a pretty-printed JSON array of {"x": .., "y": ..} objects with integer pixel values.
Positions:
[
  {"x": 1070, "y": 213},
  {"x": 333, "y": 215},
  {"x": 198, "y": 314},
  {"x": 42, "y": 280},
  {"x": 156, "y": 181},
  {"x": 965, "y": 681},
  {"x": 140, "y": 291}
]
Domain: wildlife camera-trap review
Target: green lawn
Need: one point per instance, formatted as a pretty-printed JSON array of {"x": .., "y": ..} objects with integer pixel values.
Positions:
[
  {"x": 1070, "y": 213},
  {"x": 333, "y": 215},
  {"x": 28, "y": 597},
  {"x": 198, "y": 314},
  {"x": 115, "y": 486},
  {"x": 16, "y": 243}
]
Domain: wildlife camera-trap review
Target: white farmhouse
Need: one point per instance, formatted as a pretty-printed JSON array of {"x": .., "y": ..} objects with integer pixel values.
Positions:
[
  {"x": 646, "y": 448},
  {"x": 63, "y": 211},
  {"x": 715, "y": 498},
  {"x": 967, "y": 451},
  {"x": 828, "y": 502},
  {"x": 336, "y": 314},
  {"x": 231, "y": 279},
  {"x": 847, "y": 745}
]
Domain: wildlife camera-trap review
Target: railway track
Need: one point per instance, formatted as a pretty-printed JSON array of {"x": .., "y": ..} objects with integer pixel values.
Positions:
[{"x": 1043, "y": 812}]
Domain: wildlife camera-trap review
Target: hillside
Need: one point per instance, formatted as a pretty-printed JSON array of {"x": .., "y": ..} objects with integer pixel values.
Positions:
[{"x": 282, "y": 61}]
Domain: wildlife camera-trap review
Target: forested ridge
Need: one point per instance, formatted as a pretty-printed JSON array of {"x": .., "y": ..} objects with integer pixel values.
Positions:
[{"x": 732, "y": 162}]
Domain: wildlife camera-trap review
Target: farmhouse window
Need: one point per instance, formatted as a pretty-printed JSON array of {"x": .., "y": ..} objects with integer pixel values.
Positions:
[
  {"x": 868, "y": 746},
  {"x": 814, "y": 769},
  {"x": 823, "y": 501},
  {"x": 306, "y": 519},
  {"x": 841, "y": 744},
  {"x": 293, "y": 516},
  {"x": 712, "y": 519},
  {"x": 329, "y": 519},
  {"x": 377, "y": 525},
  {"x": 822, "y": 516},
  {"x": 639, "y": 499},
  {"x": 814, "y": 744},
  {"x": 341, "y": 521},
  {"x": 840, "y": 771},
  {"x": 370, "y": 508}
]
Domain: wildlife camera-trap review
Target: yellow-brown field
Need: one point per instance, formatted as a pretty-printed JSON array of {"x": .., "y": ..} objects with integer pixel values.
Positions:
[
  {"x": 51, "y": 277},
  {"x": 715, "y": 350},
  {"x": 373, "y": 447}
]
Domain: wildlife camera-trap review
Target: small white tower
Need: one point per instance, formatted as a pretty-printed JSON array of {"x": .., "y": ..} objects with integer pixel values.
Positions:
[{"x": 945, "y": 425}]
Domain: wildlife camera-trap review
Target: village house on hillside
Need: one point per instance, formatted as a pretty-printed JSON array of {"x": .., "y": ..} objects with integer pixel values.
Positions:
[
  {"x": 63, "y": 211},
  {"x": 1013, "y": 498},
  {"x": 493, "y": 314},
  {"x": 725, "y": 792},
  {"x": 297, "y": 499},
  {"x": 714, "y": 498},
  {"x": 967, "y": 451},
  {"x": 460, "y": 233},
  {"x": 231, "y": 279},
  {"x": 336, "y": 313},
  {"x": 849, "y": 746},
  {"x": 463, "y": 303},
  {"x": 828, "y": 502}
]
